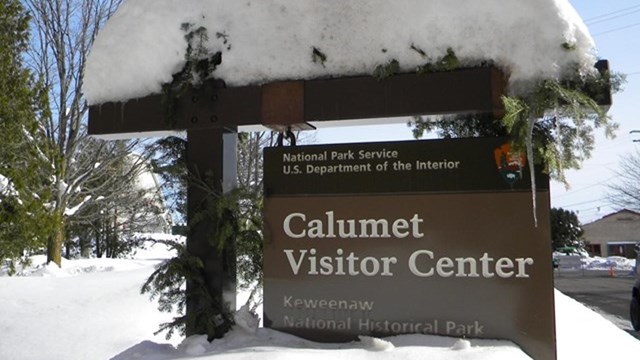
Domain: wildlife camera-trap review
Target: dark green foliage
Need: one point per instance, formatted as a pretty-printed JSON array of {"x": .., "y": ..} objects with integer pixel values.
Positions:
[
  {"x": 447, "y": 127},
  {"x": 170, "y": 163},
  {"x": 318, "y": 57},
  {"x": 236, "y": 219},
  {"x": 555, "y": 124},
  {"x": 391, "y": 68},
  {"x": 167, "y": 283},
  {"x": 24, "y": 222},
  {"x": 218, "y": 211},
  {"x": 565, "y": 228},
  {"x": 249, "y": 241},
  {"x": 448, "y": 62},
  {"x": 597, "y": 86}
]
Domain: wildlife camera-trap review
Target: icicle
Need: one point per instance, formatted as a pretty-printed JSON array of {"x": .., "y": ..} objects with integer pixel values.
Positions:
[{"x": 531, "y": 122}]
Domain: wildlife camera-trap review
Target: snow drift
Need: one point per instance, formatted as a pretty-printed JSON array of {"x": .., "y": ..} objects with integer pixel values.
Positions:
[{"x": 143, "y": 44}]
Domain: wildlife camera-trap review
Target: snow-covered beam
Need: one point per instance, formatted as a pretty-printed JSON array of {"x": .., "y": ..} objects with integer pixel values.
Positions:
[{"x": 475, "y": 90}]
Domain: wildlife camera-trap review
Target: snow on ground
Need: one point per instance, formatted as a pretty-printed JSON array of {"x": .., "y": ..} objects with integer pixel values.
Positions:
[
  {"x": 619, "y": 263},
  {"x": 585, "y": 262},
  {"x": 91, "y": 309},
  {"x": 143, "y": 44}
]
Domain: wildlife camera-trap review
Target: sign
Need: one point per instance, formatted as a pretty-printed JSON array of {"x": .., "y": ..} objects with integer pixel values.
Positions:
[{"x": 430, "y": 237}]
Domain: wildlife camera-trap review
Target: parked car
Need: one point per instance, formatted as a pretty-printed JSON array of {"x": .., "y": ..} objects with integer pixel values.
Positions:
[{"x": 634, "y": 311}]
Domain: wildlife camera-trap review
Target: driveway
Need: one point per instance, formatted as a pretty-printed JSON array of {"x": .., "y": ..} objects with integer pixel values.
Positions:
[{"x": 596, "y": 289}]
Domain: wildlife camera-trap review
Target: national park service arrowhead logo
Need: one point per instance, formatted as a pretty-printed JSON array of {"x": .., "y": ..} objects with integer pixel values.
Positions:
[{"x": 509, "y": 164}]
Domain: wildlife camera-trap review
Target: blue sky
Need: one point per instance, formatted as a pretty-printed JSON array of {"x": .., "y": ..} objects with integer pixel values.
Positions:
[
  {"x": 615, "y": 26},
  {"x": 617, "y": 37}
]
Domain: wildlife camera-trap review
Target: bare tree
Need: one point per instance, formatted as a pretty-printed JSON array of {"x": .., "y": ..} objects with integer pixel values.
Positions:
[
  {"x": 63, "y": 32},
  {"x": 118, "y": 213},
  {"x": 625, "y": 191}
]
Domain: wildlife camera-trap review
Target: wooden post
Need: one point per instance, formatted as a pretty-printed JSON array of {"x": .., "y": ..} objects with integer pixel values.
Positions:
[{"x": 205, "y": 159}]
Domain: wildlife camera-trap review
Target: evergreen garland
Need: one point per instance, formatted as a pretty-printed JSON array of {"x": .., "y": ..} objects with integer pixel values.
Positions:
[
  {"x": 391, "y": 68},
  {"x": 448, "y": 62},
  {"x": 555, "y": 123}
]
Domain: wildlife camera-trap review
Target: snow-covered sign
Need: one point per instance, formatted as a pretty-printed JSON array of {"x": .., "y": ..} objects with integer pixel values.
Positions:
[
  {"x": 144, "y": 44},
  {"x": 352, "y": 250}
]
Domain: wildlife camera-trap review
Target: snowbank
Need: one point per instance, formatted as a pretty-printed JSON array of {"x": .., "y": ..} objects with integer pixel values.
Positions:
[
  {"x": 143, "y": 44},
  {"x": 576, "y": 325},
  {"x": 584, "y": 262},
  {"x": 618, "y": 263},
  {"x": 92, "y": 309}
]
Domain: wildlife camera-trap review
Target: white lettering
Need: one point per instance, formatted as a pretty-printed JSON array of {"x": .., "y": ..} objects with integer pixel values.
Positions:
[
  {"x": 522, "y": 262},
  {"x": 414, "y": 268},
  {"x": 503, "y": 264},
  {"x": 351, "y": 228},
  {"x": 287, "y": 225},
  {"x": 295, "y": 265},
  {"x": 467, "y": 266}
]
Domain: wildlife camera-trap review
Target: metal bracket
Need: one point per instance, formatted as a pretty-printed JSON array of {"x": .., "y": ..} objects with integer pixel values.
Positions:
[{"x": 289, "y": 135}]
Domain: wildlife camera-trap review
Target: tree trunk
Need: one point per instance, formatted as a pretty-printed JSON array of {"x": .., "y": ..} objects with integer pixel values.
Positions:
[
  {"x": 98, "y": 236},
  {"x": 85, "y": 246},
  {"x": 54, "y": 247}
]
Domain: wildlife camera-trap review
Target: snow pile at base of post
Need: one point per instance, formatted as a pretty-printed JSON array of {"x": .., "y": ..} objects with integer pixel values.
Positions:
[{"x": 143, "y": 44}]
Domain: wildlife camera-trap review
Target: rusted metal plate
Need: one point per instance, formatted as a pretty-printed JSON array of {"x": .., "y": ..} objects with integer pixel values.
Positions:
[{"x": 283, "y": 105}]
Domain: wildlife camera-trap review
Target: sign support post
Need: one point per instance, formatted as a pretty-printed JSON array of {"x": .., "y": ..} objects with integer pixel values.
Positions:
[{"x": 205, "y": 159}]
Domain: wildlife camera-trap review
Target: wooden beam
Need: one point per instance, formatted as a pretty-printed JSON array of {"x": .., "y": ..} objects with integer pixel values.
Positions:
[
  {"x": 476, "y": 90},
  {"x": 297, "y": 103},
  {"x": 473, "y": 90}
]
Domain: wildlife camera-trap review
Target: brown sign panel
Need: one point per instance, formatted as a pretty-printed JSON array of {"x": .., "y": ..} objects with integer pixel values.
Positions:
[{"x": 425, "y": 258}]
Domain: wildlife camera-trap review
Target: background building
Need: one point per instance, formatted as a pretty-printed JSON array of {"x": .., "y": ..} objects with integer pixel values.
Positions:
[{"x": 613, "y": 235}]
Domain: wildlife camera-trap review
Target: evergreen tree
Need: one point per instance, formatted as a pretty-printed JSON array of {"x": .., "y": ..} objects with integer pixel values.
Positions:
[
  {"x": 23, "y": 166},
  {"x": 565, "y": 228},
  {"x": 238, "y": 215}
]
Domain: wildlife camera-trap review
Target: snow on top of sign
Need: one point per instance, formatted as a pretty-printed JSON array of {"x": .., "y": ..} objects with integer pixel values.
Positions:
[{"x": 143, "y": 44}]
